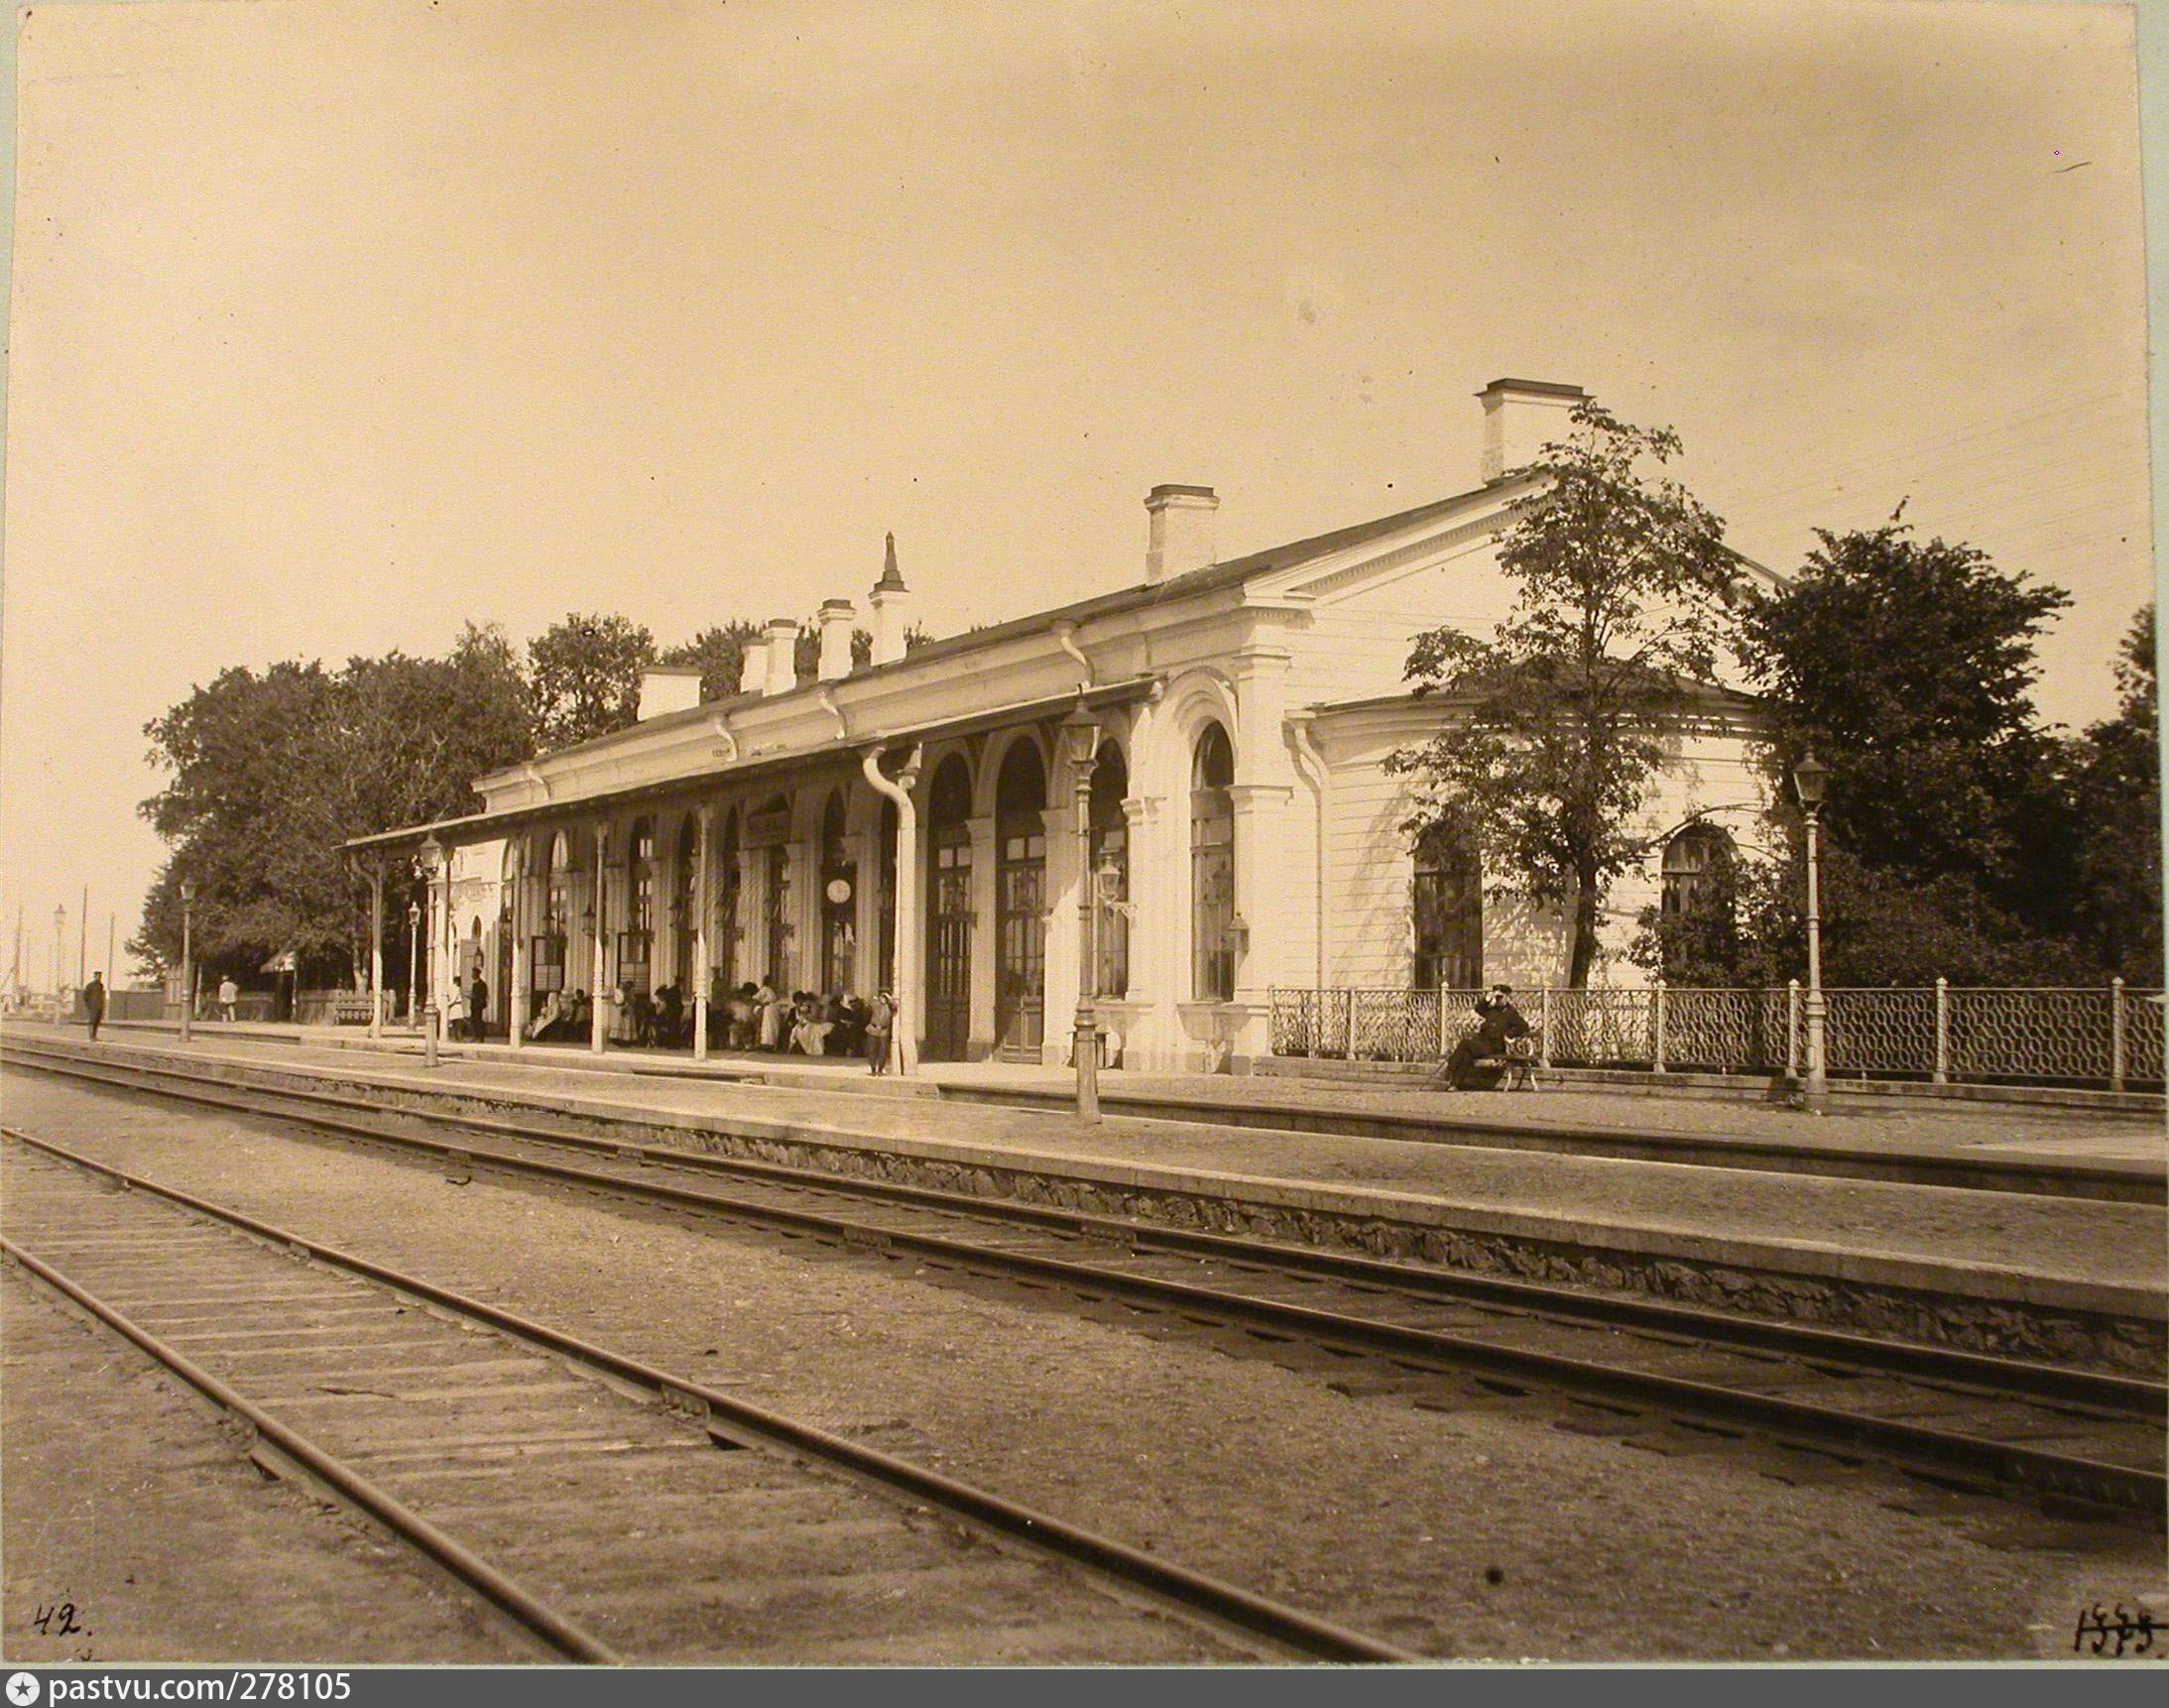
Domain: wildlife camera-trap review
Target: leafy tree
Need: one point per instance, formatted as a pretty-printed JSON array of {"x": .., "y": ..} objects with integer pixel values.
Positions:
[
  {"x": 1908, "y": 669},
  {"x": 583, "y": 677},
  {"x": 271, "y": 773},
  {"x": 720, "y": 652},
  {"x": 253, "y": 812},
  {"x": 1568, "y": 711},
  {"x": 2117, "y": 789}
]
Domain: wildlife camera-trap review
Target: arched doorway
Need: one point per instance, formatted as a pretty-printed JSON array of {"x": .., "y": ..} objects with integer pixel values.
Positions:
[
  {"x": 1212, "y": 866},
  {"x": 1021, "y": 935},
  {"x": 950, "y": 912},
  {"x": 1111, "y": 853},
  {"x": 723, "y": 973},
  {"x": 683, "y": 897},
  {"x": 546, "y": 945},
  {"x": 1447, "y": 904},
  {"x": 637, "y": 941},
  {"x": 839, "y": 901}
]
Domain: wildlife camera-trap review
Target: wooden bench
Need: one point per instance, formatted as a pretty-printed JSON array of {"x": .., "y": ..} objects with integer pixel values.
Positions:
[{"x": 349, "y": 1010}]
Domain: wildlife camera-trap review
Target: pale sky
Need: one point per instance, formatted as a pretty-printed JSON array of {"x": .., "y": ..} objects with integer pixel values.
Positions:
[{"x": 336, "y": 323}]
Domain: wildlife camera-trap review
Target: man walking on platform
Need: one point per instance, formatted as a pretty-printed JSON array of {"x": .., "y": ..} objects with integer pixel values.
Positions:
[{"x": 94, "y": 1003}]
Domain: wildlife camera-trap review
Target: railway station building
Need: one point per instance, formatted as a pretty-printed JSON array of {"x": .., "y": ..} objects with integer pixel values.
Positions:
[{"x": 1206, "y": 739}]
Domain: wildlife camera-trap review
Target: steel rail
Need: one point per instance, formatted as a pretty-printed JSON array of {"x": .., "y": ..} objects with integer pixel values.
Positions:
[
  {"x": 1797, "y": 1422},
  {"x": 739, "y": 1423},
  {"x": 2018, "y": 1378},
  {"x": 335, "y": 1474}
]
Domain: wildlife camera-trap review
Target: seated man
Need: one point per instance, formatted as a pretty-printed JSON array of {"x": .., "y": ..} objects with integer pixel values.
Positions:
[
  {"x": 669, "y": 1017},
  {"x": 581, "y": 1016},
  {"x": 1501, "y": 1024}
]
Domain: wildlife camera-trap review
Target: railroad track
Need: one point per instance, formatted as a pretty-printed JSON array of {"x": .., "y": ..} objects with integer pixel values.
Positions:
[
  {"x": 611, "y": 1528},
  {"x": 1626, "y": 1366}
]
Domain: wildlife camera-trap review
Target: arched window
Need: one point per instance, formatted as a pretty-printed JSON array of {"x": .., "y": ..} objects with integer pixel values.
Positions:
[
  {"x": 1019, "y": 889},
  {"x": 635, "y": 942},
  {"x": 1212, "y": 867},
  {"x": 1691, "y": 862},
  {"x": 684, "y": 895},
  {"x": 949, "y": 911},
  {"x": 1447, "y": 900},
  {"x": 723, "y": 948},
  {"x": 1110, "y": 852},
  {"x": 776, "y": 896},
  {"x": 839, "y": 901},
  {"x": 546, "y": 951}
]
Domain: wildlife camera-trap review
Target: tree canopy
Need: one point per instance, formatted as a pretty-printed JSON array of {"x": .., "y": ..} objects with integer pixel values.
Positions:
[
  {"x": 583, "y": 677},
  {"x": 1569, "y": 710}
]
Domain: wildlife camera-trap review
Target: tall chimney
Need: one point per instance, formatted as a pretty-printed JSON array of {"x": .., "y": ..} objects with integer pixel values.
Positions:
[
  {"x": 1178, "y": 534},
  {"x": 891, "y": 601},
  {"x": 837, "y": 616},
  {"x": 669, "y": 689},
  {"x": 782, "y": 674},
  {"x": 753, "y": 669},
  {"x": 1521, "y": 417}
]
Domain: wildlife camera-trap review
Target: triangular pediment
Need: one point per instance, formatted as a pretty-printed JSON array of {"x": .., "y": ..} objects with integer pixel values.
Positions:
[{"x": 1465, "y": 528}]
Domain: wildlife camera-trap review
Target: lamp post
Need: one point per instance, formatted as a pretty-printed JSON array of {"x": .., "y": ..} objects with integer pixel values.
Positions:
[
  {"x": 414, "y": 962},
  {"x": 432, "y": 856},
  {"x": 1810, "y": 778},
  {"x": 187, "y": 972},
  {"x": 1081, "y": 743}
]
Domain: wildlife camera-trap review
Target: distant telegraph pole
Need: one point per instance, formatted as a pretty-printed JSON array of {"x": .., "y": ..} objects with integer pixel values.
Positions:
[
  {"x": 83, "y": 940},
  {"x": 59, "y": 930},
  {"x": 112, "y": 922}
]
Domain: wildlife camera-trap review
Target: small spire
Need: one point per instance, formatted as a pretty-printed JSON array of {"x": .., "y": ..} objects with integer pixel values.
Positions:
[{"x": 891, "y": 580}]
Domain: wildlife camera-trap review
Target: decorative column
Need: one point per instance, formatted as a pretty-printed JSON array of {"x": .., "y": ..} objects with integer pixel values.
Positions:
[
  {"x": 376, "y": 952},
  {"x": 986, "y": 933},
  {"x": 1264, "y": 785},
  {"x": 518, "y": 907},
  {"x": 1152, "y": 987},
  {"x": 602, "y": 925},
  {"x": 700, "y": 932},
  {"x": 1063, "y": 962}
]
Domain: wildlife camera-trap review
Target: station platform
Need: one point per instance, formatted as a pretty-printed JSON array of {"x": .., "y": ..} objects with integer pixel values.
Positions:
[{"x": 2033, "y": 1255}]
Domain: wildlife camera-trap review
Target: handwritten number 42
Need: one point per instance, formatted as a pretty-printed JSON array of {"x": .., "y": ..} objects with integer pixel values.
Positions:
[{"x": 57, "y": 1620}]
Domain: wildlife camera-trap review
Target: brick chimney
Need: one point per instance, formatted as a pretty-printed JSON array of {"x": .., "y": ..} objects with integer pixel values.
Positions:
[
  {"x": 1178, "y": 536},
  {"x": 892, "y": 602},
  {"x": 669, "y": 689},
  {"x": 838, "y": 617},
  {"x": 1521, "y": 417},
  {"x": 782, "y": 674}
]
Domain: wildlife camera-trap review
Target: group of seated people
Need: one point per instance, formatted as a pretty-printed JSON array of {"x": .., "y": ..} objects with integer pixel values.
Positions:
[
  {"x": 562, "y": 1019},
  {"x": 805, "y": 1023},
  {"x": 751, "y": 1016}
]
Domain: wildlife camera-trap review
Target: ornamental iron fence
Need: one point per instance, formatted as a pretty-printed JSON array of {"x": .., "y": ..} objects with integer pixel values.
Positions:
[{"x": 2111, "y": 1035}]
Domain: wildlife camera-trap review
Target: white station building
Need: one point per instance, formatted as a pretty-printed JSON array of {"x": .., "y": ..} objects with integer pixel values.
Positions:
[{"x": 914, "y": 824}]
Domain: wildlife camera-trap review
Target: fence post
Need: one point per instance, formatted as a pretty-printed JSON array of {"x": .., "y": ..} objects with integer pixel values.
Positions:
[
  {"x": 1348, "y": 1024},
  {"x": 1943, "y": 1031},
  {"x": 2116, "y": 1035},
  {"x": 1442, "y": 1023},
  {"x": 1543, "y": 1042},
  {"x": 1793, "y": 1028},
  {"x": 1658, "y": 1030}
]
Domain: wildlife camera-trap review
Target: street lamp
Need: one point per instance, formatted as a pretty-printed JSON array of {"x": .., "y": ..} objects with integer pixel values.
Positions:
[
  {"x": 1810, "y": 778},
  {"x": 1081, "y": 745},
  {"x": 188, "y": 977},
  {"x": 414, "y": 962},
  {"x": 432, "y": 854}
]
